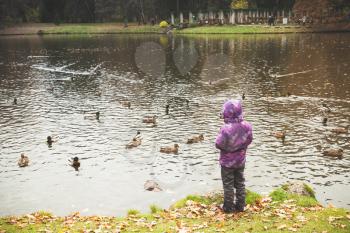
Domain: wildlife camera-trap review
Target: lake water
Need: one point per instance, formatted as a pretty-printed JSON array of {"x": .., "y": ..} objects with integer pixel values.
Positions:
[{"x": 61, "y": 81}]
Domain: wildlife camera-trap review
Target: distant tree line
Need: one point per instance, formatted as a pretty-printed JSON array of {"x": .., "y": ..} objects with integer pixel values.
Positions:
[{"x": 142, "y": 11}]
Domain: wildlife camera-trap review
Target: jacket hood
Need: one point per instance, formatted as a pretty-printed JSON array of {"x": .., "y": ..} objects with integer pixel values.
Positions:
[{"x": 232, "y": 111}]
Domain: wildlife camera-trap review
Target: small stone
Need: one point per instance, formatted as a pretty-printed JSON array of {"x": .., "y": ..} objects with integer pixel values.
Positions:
[
  {"x": 299, "y": 188},
  {"x": 151, "y": 185}
]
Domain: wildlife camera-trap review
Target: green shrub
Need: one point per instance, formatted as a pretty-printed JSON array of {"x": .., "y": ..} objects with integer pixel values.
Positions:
[
  {"x": 155, "y": 209},
  {"x": 133, "y": 212}
]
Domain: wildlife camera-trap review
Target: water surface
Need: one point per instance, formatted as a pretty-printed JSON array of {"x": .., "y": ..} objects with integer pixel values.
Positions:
[{"x": 61, "y": 81}]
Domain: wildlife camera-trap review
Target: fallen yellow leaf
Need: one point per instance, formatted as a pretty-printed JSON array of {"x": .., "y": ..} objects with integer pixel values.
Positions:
[{"x": 280, "y": 227}]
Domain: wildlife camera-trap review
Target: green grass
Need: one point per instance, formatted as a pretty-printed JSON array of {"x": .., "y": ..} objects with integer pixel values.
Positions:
[
  {"x": 99, "y": 29},
  {"x": 280, "y": 195},
  {"x": 133, "y": 212},
  {"x": 155, "y": 209},
  {"x": 247, "y": 29},
  {"x": 285, "y": 213}
]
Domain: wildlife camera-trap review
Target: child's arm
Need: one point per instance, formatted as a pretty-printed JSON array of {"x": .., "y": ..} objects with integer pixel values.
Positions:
[{"x": 221, "y": 140}]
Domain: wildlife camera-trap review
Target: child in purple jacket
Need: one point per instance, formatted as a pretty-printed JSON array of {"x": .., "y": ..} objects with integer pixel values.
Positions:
[{"x": 234, "y": 137}]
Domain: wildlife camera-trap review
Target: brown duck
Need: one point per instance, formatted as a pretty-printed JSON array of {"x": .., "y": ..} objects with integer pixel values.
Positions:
[
  {"x": 333, "y": 153},
  {"x": 170, "y": 149},
  {"x": 23, "y": 161},
  {"x": 195, "y": 139}
]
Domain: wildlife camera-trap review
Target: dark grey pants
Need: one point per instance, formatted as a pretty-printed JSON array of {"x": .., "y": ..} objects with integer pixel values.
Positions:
[{"x": 233, "y": 178}]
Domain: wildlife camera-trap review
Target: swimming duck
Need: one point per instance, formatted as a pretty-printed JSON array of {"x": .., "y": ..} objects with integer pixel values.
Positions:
[
  {"x": 75, "y": 163},
  {"x": 339, "y": 130},
  {"x": 15, "y": 101},
  {"x": 49, "y": 140},
  {"x": 134, "y": 143},
  {"x": 334, "y": 153},
  {"x": 149, "y": 119},
  {"x": 126, "y": 104},
  {"x": 280, "y": 134},
  {"x": 195, "y": 139},
  {"x": 151, "y": 185},
  {"x": 23, "y": 161},
  {"x": 324, "y": 121},
  {"x": 170, "y": 149},
  {"x": 326, "y": 108},
  {"x": 167, "y": 109},
  {"x": 243, "y": 96},
  {"x": 97, "y": 115}
]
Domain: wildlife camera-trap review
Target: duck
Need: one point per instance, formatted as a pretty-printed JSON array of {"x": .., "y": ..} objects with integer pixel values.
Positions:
[
  {"x": 280, "y": 134},
  {"x": 75, "y": 163},
  {"x": 136, "y": 141},
  {"x": 339, "y": 130},
  {"x": 195, "y": 139},
  {"x": 326, "y": 108},
  {"x": 333, "y": 153},
  {"x": 170, "y": 149},
  {"x": 97, "y": 115},
  {"x": 23, "y": 161},
  {"x": 151, "y": 185},
  {"x": 49, "y": 140},
  {"x": 243, "y": 96},
  {"x": 149, "y": 119},
  {"x": 325, "y": 120},
  {"x": 15, "y": 101},
  {"x": 167, "y": 109},
  {"x": 126, "y": 104}
]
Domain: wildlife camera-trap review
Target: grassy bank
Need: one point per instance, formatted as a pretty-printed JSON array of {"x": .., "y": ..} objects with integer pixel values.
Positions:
[
  {"x": 117, "y": 28},
  {"x": 97, "y": 28},
  {"x": 278, "y": 212}
]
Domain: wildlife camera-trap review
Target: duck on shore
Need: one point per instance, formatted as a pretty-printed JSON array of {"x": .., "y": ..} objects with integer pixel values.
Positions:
[
  {"x": 195, "y": 139},
  {"x": 333, "y": 153},
  {"x": 170, "y": 149},
  {"x": 23, "y": 161}
]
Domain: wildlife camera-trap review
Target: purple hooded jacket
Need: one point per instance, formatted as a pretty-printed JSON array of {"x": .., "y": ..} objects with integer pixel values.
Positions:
[{"x": 234, "y": 137}]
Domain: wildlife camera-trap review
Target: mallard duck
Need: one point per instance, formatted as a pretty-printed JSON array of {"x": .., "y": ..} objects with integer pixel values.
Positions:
[
  {"x": 324, "y": 121},
  {"x": 195, "y": 139},
  {"x": 126, "y": 104},
  {"x": 339, "y": 130},
  {"x": 75, "y": 163},
  {"x": 23, "y": 161},
  {"x": 151, "y": 185},
  {"x": 167, "y": 109},
  {"x": 134, "y": 143},
  {"x": 170, "y": 149},
  {"x": 334, "y": 153},
  {"x": 149, "y": 119},
  {"x": 49, "y": 140},
  {"x": 280, "y": 134}
]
